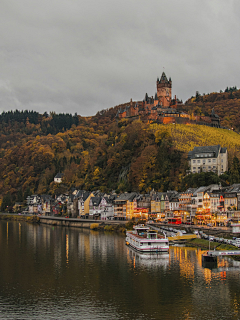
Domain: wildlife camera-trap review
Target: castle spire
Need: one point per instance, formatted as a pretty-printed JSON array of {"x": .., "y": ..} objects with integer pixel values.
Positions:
[{"x": 163, "y": 78}]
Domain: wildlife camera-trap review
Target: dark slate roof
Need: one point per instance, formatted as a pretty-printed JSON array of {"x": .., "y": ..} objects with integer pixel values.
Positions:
[
  {"x": 59, "y": 175},
  {"x": 110, "y": 198},
  {"x": 223, "y": 150},
  {"x": 96, "y": 201},
  {"x": 190, "y": 190},
  {"x": 126, "y": 196},
  {"x": 172, "y": 194},
  {"x": 206, "y": 149}
]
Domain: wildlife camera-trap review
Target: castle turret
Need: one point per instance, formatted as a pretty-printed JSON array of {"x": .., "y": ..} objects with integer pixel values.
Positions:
[{"x": 164, "y": 90}]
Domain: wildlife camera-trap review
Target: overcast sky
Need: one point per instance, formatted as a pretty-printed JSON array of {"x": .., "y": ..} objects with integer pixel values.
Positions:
[{"x": 85, "y": 56}]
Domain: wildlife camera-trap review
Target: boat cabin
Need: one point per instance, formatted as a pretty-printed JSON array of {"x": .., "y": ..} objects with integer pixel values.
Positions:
[
  {"x": 140, "y": 229},
  {"x": 152, "y": 234}
]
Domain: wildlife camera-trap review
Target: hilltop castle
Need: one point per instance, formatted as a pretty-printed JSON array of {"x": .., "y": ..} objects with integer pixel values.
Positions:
[{"x": 162, "y": 108}]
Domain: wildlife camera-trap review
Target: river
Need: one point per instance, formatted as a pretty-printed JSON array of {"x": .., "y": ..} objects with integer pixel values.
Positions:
[{"x": 51, "y": 272}]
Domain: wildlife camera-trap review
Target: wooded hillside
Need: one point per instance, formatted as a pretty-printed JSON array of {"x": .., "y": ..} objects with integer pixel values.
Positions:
[
  {"x": 226, "y": 105},
  {"x": 99, "y": 153}
]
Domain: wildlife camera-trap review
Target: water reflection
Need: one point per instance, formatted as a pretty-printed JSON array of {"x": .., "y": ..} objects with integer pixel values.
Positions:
[
  {"x": 60, "y": 273},
  {"x": 147, "y": 259}
]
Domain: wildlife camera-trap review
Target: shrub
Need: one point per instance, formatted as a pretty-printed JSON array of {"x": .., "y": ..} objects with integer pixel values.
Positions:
[{"x": 94, "y": 226}]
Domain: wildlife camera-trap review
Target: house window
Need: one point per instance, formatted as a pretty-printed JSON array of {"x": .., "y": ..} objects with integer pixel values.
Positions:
[
  {"x": 194, "y": 161},
  {"x": 194, "y": 168},
  {"x": 209, "y": 160},
  {"x": 198, "y": 161},
  {"x": 214, "y": 160}
]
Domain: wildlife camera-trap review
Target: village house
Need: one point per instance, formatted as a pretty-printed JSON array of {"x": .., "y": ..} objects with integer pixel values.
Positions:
[
  {"x": 83, "y": 203},
  {"x": 34, "y": 204},
  {"x": 207, "y": 159},
  {"x": 107, "y": 207},
  {"x": 120, "y": 205},
  {"x": 95, "y": 208},
  {"x": 58, "y": 177},
  {"x": 46, "y": 201}
]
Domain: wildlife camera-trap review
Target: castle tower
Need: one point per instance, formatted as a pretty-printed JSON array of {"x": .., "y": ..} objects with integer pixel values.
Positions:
[{"x": 164, "y": 90}]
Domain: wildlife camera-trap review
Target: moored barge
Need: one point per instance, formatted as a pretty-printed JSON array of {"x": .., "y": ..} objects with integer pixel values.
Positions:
[{"x": 143, "y": 239}]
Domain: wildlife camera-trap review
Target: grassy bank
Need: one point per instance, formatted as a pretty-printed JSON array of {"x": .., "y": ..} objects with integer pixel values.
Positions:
[
  {"x": 204, "y": 244},
  {"x": 33, "y": 219}
]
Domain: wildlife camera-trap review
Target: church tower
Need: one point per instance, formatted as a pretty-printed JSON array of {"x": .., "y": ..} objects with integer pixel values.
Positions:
[{"x": 164, "y": 90}]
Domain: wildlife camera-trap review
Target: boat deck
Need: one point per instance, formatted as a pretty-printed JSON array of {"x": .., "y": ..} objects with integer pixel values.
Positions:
[{"x": 144, "y": 236}]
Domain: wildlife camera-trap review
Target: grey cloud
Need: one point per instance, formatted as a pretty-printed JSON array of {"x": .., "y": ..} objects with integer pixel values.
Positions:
[{"x": 79, "y": 56}]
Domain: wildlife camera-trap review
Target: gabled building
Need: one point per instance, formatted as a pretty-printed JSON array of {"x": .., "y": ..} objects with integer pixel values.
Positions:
[
  {"x": 107, "y": 207},
  {"x": 58, "y": 177},
  {"x": 95, "y": 208},
  {"x": 207, "y": 159},
  {"x": 34, "y": 204},
  {"x": 83, "y": 203},
  {"x": 47, "y": 202},
  {"x": 120, "y": 205}
]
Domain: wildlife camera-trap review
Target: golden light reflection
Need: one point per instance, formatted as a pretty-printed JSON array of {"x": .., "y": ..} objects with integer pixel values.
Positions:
[
  {"x": 235, "y": 305},
  {"x": 223, "y": 263},
  {"x": 207, "y": 275},
  {"x": 19, "y": 232},
  {"x": 67, "y": 248},
  {"x": 223, "y": 275},
  {"x": 185, "y": 263},
  {"x": 7, "y": 232}
]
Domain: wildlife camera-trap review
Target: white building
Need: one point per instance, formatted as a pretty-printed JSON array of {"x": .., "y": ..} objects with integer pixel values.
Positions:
[
  {"x": 207, "y": 159},
  {"x": 58, "y": 177}
]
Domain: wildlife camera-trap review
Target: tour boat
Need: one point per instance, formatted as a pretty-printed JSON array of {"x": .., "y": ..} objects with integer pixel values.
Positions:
[{"x": 145, "y": 240}]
